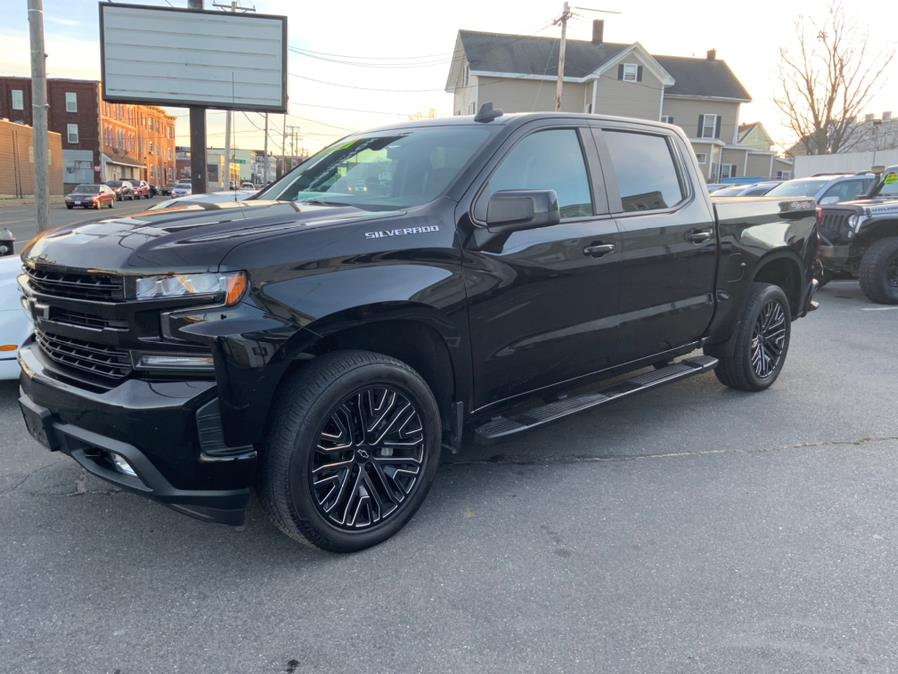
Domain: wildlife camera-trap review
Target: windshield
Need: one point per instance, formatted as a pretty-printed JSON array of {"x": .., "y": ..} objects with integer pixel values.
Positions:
[
  {"x": 86, "y": 189},
  {"x": 115, "y": 183},
  {"x": 889, "y": 185},
  {"x": 797, "y": 188},
  {"x": 393, "y": 169}
]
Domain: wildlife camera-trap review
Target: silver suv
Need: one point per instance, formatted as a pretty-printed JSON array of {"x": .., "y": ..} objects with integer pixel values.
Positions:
[{"x": 827, "y": 188}]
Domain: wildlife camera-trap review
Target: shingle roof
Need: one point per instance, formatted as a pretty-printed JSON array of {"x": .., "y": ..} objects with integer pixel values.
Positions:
[{"x": 532, "y": 55}]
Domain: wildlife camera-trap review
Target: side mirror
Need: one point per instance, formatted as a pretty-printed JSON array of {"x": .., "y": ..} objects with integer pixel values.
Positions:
[
  {"x": 829, "y": 200},
  {"x": 512, "y": 210}
]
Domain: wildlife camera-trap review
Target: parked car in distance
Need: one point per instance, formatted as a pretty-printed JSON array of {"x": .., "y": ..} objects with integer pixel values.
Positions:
[
  {"x": 166, "y": 189},
  {"x": 15, "y": 325},
  {"x": 826, "y": 189},
  {"x": 323, "y": 345},
  {"x": 90, "y": 195},
  {"x": 246, "y": 185},
  {"x": 141, "y": 189},
  {"x": 182, "y": 188},
  {"x": 123, "y": 189},
  {"x": 753, "y": 190},
  {"x": 208, "y": 198},
  {"x": 860, "y": 240}
]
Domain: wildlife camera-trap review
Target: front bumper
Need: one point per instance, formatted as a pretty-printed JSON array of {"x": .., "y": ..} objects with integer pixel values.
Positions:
[{"x": 165, "y": 430}]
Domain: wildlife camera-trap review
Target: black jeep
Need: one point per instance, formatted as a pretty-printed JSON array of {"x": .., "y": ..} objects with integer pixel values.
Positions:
[{"x": 860, "y": 239}]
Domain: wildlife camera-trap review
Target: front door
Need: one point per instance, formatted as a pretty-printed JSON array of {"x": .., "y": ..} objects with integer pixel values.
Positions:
[
  {"x": 668, "y": 250},
  {"x": 543, "y": 305}
]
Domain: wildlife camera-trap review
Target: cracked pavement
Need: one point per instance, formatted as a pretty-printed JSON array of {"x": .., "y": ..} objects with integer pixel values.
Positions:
[{"x": 691, "y": 529}]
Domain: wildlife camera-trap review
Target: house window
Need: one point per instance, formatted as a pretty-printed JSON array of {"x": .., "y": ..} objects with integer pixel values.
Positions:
[
  {"x": 701, "y": 157},
  {"x": 667, "y": 119},
  {"x": 727, "y": 171},
  {"x": 71, "y": 131},
  {"x": 472, "y": 108},
  {"x": 169, "y": 154},
  {"x": 630, "y": 72},
  {"x": 151, "y": 147},
  {"x": 18, "y": 99},
  {"x": 784, "y": 175},
  {"x": 709, "y": 126},
  {"x": 71, "y": 101},
  {"x": 466, "y": 76}
]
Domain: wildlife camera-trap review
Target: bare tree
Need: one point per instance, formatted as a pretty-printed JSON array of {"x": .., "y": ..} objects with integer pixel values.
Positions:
[{"x": 828, "y": 79}]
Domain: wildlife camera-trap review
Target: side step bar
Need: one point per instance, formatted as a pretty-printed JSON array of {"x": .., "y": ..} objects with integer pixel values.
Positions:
[{"x": 501, "y": 427}]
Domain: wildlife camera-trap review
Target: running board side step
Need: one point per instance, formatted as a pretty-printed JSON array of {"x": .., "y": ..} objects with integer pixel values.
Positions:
[{"x": 501, "y": 427}]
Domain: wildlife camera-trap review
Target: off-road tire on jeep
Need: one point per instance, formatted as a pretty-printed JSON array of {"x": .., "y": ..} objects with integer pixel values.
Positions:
[
  {"x": 361, "y": 423},
  {"x": 760, "y": 343},
  {"x": 879, "y": 272}
]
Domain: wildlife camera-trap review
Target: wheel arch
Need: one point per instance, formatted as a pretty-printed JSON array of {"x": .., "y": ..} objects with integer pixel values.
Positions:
[
  {"x": 783, "y": 268},
  {"x": 875, "y": 231}
]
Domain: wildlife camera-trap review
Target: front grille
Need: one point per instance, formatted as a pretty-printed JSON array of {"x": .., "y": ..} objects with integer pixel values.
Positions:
[
  {"x": 76, "y": 285},
  {"x": 85, "y": 320},
  {"x": 96, "y": 359},
  {"x": 835, "y": 226}
]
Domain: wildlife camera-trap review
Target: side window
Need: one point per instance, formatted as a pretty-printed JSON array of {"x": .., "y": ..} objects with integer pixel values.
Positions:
[
  {"x": 647, "y": 176},
  {"x": 854, "y": 189},
  {"x": 546, "y": 160}
]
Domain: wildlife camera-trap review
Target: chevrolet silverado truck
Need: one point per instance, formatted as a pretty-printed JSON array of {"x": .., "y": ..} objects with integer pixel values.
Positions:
[
  {"x": 403, "y": 292},
  {"x": 859, "y": 239}
]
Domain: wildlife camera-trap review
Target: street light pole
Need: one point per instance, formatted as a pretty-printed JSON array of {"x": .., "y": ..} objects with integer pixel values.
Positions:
[{"x": 39, "y": 131}]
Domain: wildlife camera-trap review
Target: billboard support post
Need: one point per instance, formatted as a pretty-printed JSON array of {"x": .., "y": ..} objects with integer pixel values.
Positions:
[{"x": 197, "y": 137}]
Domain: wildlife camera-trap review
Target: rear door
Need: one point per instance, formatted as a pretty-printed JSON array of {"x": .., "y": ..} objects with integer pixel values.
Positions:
[
  {"x": 543, "y": 302},
  {"x": 668, "y": 251}
]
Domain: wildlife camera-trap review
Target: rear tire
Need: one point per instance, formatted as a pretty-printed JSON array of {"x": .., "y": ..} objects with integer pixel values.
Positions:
[
  {"x": 760, "y": 343},
  {"x": 879, "y": 272},
  {"x": 352, "y": 449}
]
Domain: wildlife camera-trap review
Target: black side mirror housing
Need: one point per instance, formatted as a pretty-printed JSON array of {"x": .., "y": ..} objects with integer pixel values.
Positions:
[{"x": 514, "y": 210}]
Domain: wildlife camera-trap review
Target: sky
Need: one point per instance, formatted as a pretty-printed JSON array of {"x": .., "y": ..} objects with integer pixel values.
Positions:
[{"x": 407, "y": 46}]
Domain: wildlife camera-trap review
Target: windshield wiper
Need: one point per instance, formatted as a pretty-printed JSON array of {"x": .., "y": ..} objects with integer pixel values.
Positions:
[{"x": 324, "y": 202}]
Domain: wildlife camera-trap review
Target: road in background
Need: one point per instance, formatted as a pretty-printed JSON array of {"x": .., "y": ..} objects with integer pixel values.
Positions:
[
  {"x": 695, "y": 528},
  {"x": 20, "y": 219}
]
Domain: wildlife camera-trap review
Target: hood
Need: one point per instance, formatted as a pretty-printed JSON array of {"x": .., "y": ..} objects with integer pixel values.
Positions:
[
  {"x": 871, "y": 206},
  {"x": 195, "y": 237}
]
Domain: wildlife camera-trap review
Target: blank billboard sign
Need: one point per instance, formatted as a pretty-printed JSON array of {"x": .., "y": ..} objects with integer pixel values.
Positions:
[{"x": 182, "y": 57}]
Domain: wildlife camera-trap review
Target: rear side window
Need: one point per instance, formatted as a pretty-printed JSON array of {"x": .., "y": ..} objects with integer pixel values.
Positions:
[
  {"x": 546, "y": 160},
  {"x": 646, "y": 173}
]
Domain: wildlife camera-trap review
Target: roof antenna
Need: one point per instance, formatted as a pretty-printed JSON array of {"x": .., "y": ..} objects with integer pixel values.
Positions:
[{"x": 487, "y": 113}]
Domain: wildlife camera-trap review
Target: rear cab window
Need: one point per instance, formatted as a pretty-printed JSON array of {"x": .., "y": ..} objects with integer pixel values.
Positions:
[{"x": 647, "y": 173}]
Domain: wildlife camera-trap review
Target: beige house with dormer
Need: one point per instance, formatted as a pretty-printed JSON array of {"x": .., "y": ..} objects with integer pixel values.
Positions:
[{"x": 517, "y": 73}]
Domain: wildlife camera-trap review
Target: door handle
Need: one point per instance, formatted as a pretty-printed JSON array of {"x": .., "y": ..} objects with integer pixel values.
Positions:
[
  {"x": 598, "y": 249},
  {"x": 699, "y": 235}
]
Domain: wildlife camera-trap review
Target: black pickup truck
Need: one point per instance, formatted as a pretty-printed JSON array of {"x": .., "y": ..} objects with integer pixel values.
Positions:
[
  {"x": 860, "y": 239},
  {"x": 401, "y": 292}
]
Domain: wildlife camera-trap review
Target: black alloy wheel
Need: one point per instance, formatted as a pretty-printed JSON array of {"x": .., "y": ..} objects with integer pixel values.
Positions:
[
  {"x": 351, "y": 451},
  {"x": 768, "y": 339},
  {"x": 368, "y": 458}
]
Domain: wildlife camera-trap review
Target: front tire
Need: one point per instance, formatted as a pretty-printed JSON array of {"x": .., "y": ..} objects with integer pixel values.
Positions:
[
  {"x": 353, "y": 447},
  {"x": 760, "y": 343},
  {"x": 879, "y": 272}
]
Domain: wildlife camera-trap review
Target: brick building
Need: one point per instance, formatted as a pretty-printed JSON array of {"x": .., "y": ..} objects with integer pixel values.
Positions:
[
  {"x": 100, "y": 141},
  {"x": 17, "y": 160}
]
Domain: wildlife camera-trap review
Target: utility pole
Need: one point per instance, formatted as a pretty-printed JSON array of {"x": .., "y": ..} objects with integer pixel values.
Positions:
[
  {"x": 293, "y": 136},
  {"x": 559, "y": 84},
  {"x": 197, "y": 136},
  {"x": 265, "y": 154},
  {"x": 283, "y": 145},
  {"x": 39, "y": 137}
]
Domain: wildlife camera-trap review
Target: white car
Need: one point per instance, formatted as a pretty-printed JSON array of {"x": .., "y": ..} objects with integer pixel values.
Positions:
[
  {"x": 211, "y": 198},
  {"x": 182, "y": 189},
  {"x": 15, "y": 324}
]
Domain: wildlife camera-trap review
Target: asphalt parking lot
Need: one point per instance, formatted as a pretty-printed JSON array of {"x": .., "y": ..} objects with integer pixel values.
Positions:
[{"x": 693, "y": 529}]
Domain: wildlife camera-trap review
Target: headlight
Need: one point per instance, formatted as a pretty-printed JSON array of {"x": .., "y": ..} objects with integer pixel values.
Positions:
[
  {"x": 852, "y": 221},
  {"x": 232, "y": 285}
]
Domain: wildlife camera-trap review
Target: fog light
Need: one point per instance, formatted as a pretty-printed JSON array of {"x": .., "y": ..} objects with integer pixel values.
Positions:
[
  {"x": 121, "y": 465},
  {"x": 164, "y": 362}
]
